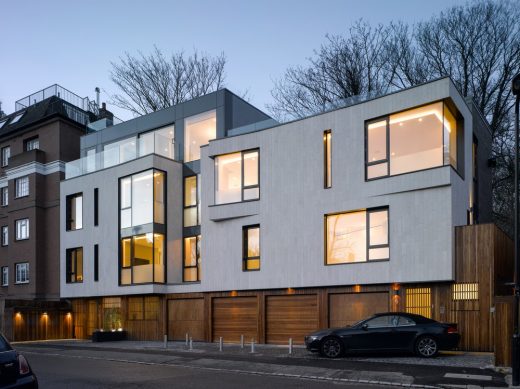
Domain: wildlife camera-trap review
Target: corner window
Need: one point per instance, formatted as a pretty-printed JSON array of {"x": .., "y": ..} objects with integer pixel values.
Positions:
[
  {"x": 327, "y": 153},
  {"x": 5, "y": 235},
  {"x": 22, "y": 187},
  {"x": 32, "y": 144},
  {"x": 118, "y": 152},
  {"x": 251, "y": 248},
  {"x": 4, "y": 192},
  {"x": 22, "y": 273},
  {"x": 357, "y": 236},
  {"x": 22, "y": 229},
  {"x": 159, "y": 141},
  {"x": 413, "y": 140},
  {"x": 198, "y": 131},
  {"x": 74, "y": 212},
  {"x": 6, "y": 154},
  {"x": 142, "y": 259},
  {"x": 191, "y": 201},
  {"x": 74, "y": 265},
  {"x": 191, "y": 271},
  {"x": 237, "y": 177},
  {"x": 5, "y": 276}
]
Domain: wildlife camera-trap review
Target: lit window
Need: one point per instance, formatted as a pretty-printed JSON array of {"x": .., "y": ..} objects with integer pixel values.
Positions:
[
  {"x": 5, "y": 276},
  {"x": 416, "y": 139},
  {"x": 32, "y": 144},
  {"x": 465, "y": 291},
  {"x": 74, "y": 265},
  {"x": 352, "y": 236},
  {"x": 6, "y": 154},
  {"x": 191, "y": 201},
  {"x": 17, "y": 118},
  {"x": 198, "y": 131},
  {"x": 22, "y": 273},
  {"x": 22, "y": 229},
  {"x": 418, "y": 301},
  {"x": 4, "y": 192},
  {"x": 160, "y": 141},
  {"x": 237, "y": 177},
  {"x": 251, "y": 258},
  {"x": 119, "y": 152},
  {"x": 192, "y": 259},
  {"x": 142, "y": 259},
  {"x": 327, "y": 152},
  {"x": 5, "y": 235},
  {"x": 22, "y": 187},
  {"x": 74, "y": 212}
]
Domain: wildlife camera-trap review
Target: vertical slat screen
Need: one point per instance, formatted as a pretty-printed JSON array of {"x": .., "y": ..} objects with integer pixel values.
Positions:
[{"x": 418, "y": 301}]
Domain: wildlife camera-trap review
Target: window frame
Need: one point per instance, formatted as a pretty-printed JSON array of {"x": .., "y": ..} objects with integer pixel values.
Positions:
[
  {"x": 68, "y": 211},
  {"x": 16, "y": 229},
  {"x": 96, "y": 263},
  {"x": 31, "y": 141},
  {"x": 245, "y": 245},
  {"x": 197, "y": 201},
  {"x": 4, "y": 190},
  {"x": 16, "y": 192},
  {"x": 17, "y": 281},
  {"x": 197, "y": 254},
  {"x": 242, "y": 186},
  {"x": 459, "y": 137},
  {"x": 185, "y": 147},
  {"x": 5, "y": 275},
  {"x": 3, "y": 152},
  {"x": 327, "y": 159},
  {"x": 367, "y": 211},
  {"x": 68, "y": 265},
  {"x": 6, "y": 242},
  {"x": 96, "y": 207}
]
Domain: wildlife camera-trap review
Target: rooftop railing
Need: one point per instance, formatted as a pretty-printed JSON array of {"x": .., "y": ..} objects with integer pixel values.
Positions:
[{"x": 121, "y": 153}]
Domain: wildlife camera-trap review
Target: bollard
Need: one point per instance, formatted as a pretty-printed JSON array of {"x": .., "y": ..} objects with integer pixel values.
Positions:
[
  {"x": 290, "y": 346},
  {"x": 220, "y": 341},
  {"x": 242, "y": 342},
  {"x": 187, "y": 339},
  {"x": 252, "y": 345},
  {"x": 165, "y": 341},
  {"x": 191, "y": 343}
]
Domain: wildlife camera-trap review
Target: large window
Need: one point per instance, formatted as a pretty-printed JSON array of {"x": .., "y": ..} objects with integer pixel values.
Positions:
[
  {"x": 74, "y": 212},
  {"x": 4, "y": 192},
  {"x": 5, "y": 235},
  {"x": 237, "y": 177},
  {"x": 6, "y": 154},
  {"x": 119, "y": 152},
  {"x": 160, "y": 141},
  {"x": 191, "y": 201},
  {"x": 74, "y": 265},
  {"x": 251, "y": 248},
  {"x": 357, "y": 236},
  {"x": 142, "y": 199},
  {"x": 198, "y": 131},
  {"x": 191, "y": 259},
  {"x": 32, "y": 143},
  {"x": 22, "y": 273},
  {"x": 142, "y": 259},
  {"x": 22, "y": 187},
  {"x": 22, "y": 229},
  {"x": 327, "y": 153},
  {"x": 417, "y": 139}
]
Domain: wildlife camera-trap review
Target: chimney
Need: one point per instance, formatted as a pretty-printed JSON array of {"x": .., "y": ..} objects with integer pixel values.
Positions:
[
  {"x": 97, "y": 95},
  {"x": 104, "y": 113}
]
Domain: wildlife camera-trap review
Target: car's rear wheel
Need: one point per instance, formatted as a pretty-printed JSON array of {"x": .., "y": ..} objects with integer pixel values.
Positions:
[
  {"x": 331, "y": 347},
  {"x": 426, "y": 347}
]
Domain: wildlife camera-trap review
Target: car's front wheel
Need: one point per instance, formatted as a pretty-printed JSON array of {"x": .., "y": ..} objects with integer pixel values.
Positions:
[
  {"x": 426, "y": 347},
  {"x": 331, "y": 347}
]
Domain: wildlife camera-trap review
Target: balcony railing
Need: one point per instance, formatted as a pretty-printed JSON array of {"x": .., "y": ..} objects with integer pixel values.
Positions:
[{"x": 123, "y": 152}]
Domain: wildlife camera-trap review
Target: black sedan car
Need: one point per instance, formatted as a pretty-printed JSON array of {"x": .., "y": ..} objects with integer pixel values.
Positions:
[
  {"x": 15, "y": 371},
  {"x": 386, "y": 332}
]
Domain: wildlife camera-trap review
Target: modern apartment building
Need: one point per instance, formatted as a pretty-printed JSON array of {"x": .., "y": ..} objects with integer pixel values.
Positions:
[
  {"x": 35, "y": 143},
  {"x": 211, "y": 220}
]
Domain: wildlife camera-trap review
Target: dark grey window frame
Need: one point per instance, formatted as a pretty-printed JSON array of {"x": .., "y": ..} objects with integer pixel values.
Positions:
[
  {"x": 96, "y": 207},
  {"x": 68, "y": 265},
  {"x": 197, "y": 265},
  {"x": 68, "y": 211},
  {"x": 326, "y": 158},
  {"x": 245, "y": 245},
  {"x": 196, "y": 206},
  {"x": 96, "y": 262}
]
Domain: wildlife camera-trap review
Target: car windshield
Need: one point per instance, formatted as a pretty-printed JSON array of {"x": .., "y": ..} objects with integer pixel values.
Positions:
[{"x": 356, "y": 323}]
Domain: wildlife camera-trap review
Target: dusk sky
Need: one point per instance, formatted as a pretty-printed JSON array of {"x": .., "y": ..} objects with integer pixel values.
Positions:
[{"x": 73, "y": 43}]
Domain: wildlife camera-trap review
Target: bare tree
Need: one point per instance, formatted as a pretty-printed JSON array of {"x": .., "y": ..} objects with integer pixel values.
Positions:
[{"x": 153, "y": 82}]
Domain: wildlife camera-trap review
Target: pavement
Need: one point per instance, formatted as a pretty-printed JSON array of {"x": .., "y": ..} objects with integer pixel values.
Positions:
[{"x": 448, "y": 370}]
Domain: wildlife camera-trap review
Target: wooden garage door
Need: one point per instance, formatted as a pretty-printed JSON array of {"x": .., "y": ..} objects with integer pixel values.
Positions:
[
  {"x": 348, "y": 308},
  {"x": 186, "y": 316},
  {"x": 235, "y": 316},
  {"x": 292, "y": 316}
]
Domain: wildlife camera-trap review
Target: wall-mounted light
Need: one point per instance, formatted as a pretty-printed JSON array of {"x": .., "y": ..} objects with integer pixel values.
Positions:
[
  {"x": 18, "y": 315},
  {"x": 290, "y": 291},
  {"x": 233, "y": 293},
  {"x": 357, "y": 288}
]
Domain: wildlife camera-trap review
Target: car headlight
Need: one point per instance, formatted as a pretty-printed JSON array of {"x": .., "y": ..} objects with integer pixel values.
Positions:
[{"x": 311, "y": 338}]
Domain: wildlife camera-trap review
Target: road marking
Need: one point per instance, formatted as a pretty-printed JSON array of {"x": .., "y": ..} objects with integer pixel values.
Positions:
[{"x": 469, "y": 376}]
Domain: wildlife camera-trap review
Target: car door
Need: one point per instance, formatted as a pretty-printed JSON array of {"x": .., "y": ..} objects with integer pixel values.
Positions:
[
  {"x": 377, "y": 333},
  {"x": 407, "y": 331}
]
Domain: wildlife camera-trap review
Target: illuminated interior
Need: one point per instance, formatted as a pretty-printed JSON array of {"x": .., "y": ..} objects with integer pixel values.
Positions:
[
  {"x": 142, "y": 259},
  {"x": 198, "y": 131},
  {"x": 229, "y": 185},
  {"x": 252, "y": 248},
  {"x": 192, "y": 259}
]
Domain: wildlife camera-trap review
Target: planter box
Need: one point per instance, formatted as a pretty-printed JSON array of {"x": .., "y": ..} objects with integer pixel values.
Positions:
[{"x": 108, "y": 336}]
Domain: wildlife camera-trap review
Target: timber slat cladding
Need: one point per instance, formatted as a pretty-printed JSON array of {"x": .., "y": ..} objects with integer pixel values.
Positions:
[
  {"x": 235, "y": 316},
  {"x": 348, "y": 308},
  {"x": 186, "y": 316},
  {"x": 503, "y": 330},
  {"x": 292, "y": 316}
]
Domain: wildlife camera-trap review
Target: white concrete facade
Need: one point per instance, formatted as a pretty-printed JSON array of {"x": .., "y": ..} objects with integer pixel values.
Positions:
[{"x": 424, "y": 207}]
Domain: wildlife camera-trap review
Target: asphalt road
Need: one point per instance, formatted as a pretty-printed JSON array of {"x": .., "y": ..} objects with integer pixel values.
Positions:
[{"x": 56, "y": 371}]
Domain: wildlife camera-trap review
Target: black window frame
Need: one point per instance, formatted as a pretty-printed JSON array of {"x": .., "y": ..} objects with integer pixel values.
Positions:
[
  {"x": 16, "y": 194},
  {"x": 68, "y": 265},
  {"x": 327, "y": 157},
  {"x": 245, "y": 245},
  {"x": 132, "y": 259},
  {"x": 68, "y": 211},
  {"x": 196, "y": 206},
  {"x": 198, "y": 258}
]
